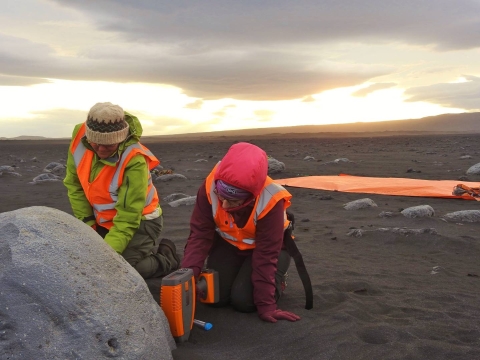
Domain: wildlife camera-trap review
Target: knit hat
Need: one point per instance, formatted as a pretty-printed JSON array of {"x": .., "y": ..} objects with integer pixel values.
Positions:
[
  {"x": 106, "y": 125},
  {"x": 231, "y": 192}
]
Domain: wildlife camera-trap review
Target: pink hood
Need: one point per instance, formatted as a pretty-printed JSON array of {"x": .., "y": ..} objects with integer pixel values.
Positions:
[{"x": 245, "y": 166}]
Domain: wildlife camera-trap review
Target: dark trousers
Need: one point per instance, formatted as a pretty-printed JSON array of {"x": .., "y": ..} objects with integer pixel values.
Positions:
[
  {"x": 234, "y": 269},
  {"x": 141, "y": 250}
]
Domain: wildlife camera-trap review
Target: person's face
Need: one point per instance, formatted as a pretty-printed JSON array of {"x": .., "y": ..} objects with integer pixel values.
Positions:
[
  {"x": 228, "y": 203},
  {"x": 104, "y": 151}
]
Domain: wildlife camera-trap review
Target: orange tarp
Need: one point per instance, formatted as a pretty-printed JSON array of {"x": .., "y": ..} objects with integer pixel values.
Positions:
[{"x": 383, "y": 186}]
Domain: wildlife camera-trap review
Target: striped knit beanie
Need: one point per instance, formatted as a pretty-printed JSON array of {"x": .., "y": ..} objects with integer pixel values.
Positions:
[
  {"x": 230, "y": 192},
  {"x": 106, "y": 124}
]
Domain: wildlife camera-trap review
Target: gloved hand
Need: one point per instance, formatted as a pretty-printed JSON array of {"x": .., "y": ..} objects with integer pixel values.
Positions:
[{"x": 273, "y": 316}]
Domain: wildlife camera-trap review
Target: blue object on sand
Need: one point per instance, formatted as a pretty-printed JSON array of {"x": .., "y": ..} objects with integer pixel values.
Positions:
[{"x": 202, "y": 324}]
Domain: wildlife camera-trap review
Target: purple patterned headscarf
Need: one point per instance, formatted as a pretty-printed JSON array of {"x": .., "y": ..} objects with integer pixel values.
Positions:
[{"x": 231, "y": 192}]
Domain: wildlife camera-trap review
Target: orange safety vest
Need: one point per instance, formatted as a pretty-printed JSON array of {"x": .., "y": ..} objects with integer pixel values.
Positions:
[
  {"x": 244, "y": 238},
  {"x": 104, "y": 195}
]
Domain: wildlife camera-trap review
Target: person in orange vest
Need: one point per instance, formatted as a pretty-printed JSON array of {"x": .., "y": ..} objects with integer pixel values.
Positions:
[
  {"x": 110, "y": 188},
  {"x": 237, "y": 226}
]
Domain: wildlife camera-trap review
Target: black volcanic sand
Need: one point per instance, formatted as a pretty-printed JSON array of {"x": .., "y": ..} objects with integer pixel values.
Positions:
[{"x": 379, "y": 296}]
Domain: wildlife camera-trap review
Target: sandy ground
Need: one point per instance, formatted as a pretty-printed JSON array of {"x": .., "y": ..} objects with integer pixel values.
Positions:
[{"x": 379, "y": 296}]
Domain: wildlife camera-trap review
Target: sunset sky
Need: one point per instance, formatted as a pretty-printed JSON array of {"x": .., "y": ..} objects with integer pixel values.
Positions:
[{"x": 209, "y": 65}]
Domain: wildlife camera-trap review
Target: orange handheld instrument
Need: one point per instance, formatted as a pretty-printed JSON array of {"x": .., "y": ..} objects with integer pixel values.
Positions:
[
  {"x": 177, "y": 298},
  {"x": 208, "y": 284}
]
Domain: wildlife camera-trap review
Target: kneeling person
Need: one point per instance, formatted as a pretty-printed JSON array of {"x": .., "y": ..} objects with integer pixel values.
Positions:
[
  {"x": 238, "y": 226},
  {"x": 110, "y": 188}
]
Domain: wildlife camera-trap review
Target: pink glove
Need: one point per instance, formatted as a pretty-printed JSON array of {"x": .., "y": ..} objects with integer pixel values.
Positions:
[{"x": 273, "y": 316}]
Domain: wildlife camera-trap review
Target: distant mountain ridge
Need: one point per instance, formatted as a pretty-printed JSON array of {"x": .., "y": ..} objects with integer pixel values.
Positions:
[
  {"x": 447, "y": 123},
  {"x": 26, "y": 137}
]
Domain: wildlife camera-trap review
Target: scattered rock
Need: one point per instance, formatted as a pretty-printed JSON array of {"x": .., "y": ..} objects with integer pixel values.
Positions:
[
  {"x": 360, "y": 204},
  {"x": 465, "y": 157},
  {"x": 275, "y": 166},
  {"x": 418, "y": 211},
  {"x": 45, "y": 178},
  {"x": 401, "y": 231},
  {"x": 51, "y": 166},
  {"x": 356, "y": 233},
  {"x": 184, "y": 201},
  {"x": 386, "y": 214},
  {"x": 405, "y": 231},
  {"x": 308, "y": 158},
  {"x": 174, "y": 196},
  {"x": 55, "y": 168},
  {"x": 410, "y": 170},
  {"x": 8, "y": 170},
  {"x": 474, "y": 170},
  {"x": 463, "y": 216},
  {"x": 168, "y": 177},
  {"x": 336, "y": 161}
]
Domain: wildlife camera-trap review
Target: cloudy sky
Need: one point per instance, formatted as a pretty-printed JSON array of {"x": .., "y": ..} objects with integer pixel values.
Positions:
[{"x": 207, "y": 65}]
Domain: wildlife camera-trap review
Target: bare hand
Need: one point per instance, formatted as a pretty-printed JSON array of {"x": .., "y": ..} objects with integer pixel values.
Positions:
[{"x": 273, "y": 316}]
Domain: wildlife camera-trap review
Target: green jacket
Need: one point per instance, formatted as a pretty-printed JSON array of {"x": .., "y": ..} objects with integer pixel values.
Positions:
[{"x": 132, "y": 193}]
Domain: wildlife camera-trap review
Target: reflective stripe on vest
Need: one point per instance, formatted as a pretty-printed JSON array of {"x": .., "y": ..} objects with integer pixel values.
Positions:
[
  {"x": 245, "y": 238},
  {"x": 104, "y": 212}
]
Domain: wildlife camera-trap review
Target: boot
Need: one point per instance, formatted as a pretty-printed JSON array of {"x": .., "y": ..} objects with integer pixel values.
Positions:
[{"x": 169, "y": 251}]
